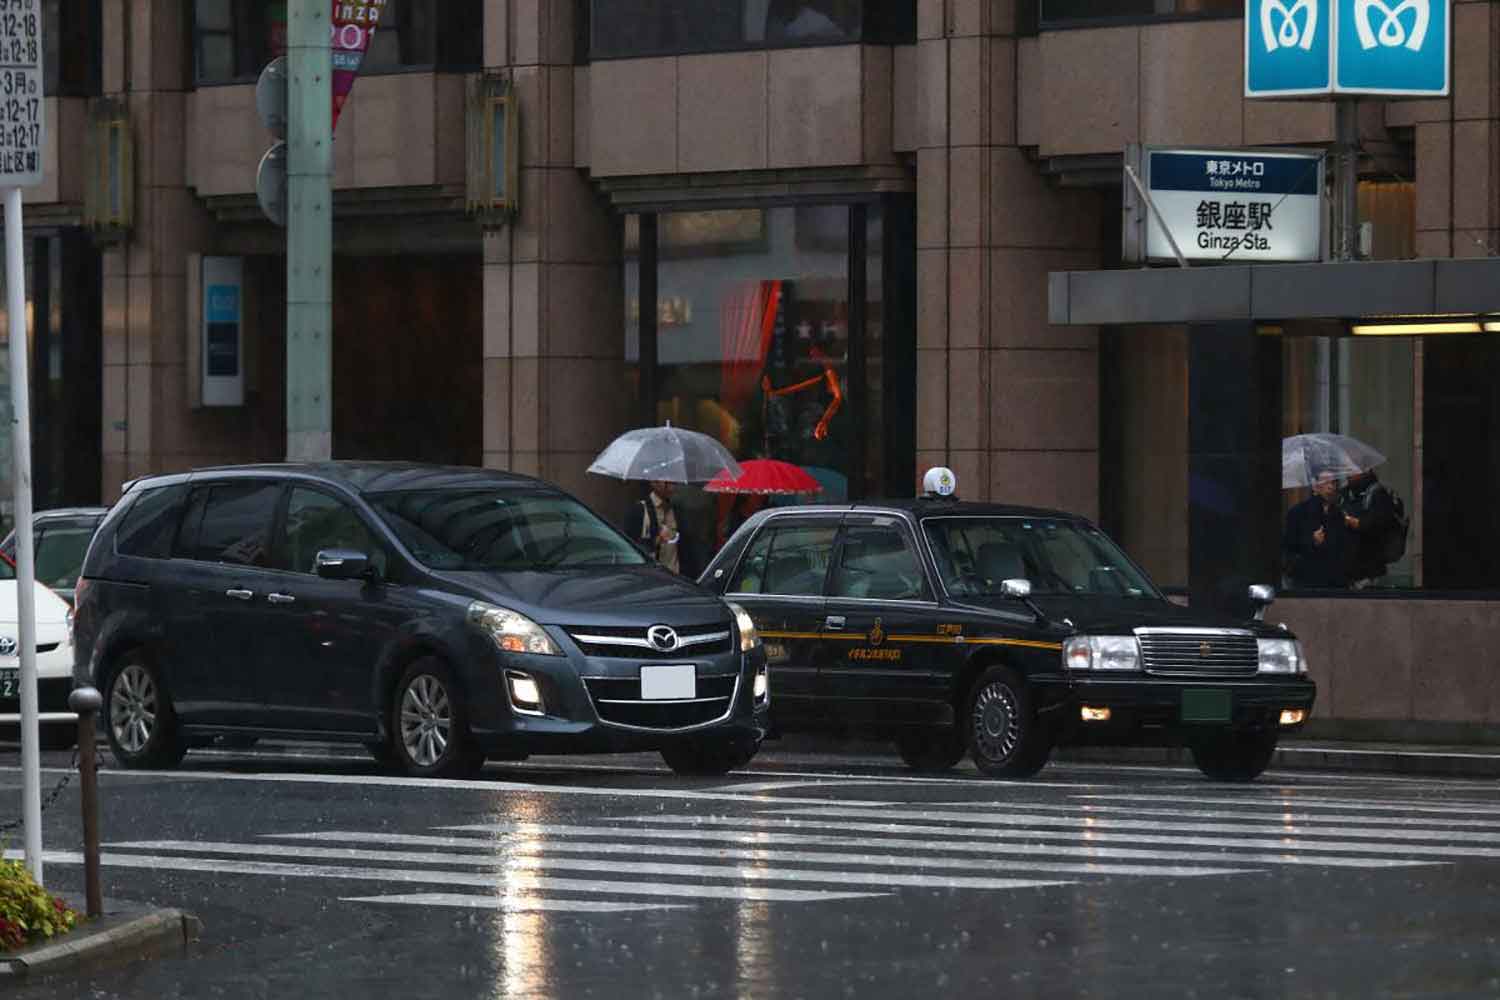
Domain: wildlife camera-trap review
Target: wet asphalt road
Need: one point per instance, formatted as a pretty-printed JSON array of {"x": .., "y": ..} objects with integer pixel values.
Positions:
[{"x": 808, "y": 875}]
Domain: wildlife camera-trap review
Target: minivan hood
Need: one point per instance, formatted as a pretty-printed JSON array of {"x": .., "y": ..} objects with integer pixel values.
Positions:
[
  {"x": 50, "y": 609},
  {"x": 1120, "y": 615},
  {"x": 622, "y": 596}
]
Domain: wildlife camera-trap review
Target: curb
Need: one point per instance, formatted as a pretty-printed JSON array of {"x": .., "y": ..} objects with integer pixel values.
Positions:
[{"x": 111, "y": 935}]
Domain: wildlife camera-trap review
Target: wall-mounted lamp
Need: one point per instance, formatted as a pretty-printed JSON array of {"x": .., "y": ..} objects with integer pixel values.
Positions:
[
  {"x": 493, "y": 126},
  {"x": 109, "y": 163},
  {"x": 1419, "y": 328}
]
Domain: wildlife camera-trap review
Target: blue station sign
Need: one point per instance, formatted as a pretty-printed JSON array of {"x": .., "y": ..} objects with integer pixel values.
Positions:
[{"x": 1321, "y": 48}]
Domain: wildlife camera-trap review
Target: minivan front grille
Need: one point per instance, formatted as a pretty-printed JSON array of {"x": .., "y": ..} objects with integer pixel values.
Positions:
[
  {"x": 618, "y": 701},
  {"x": 1203, "y": 652},
  {"x": 636, "y": 644}
]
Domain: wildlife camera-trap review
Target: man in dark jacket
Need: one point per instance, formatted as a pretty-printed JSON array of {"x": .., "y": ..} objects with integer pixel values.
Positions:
[
  {"x": 1317, "y": 539},
  {"x": 1370, "y": 516}
]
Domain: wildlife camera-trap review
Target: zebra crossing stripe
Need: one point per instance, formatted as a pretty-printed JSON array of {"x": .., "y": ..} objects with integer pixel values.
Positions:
[
  {"x": 510, "y": 881},
  {"x": 704, "y": 829},
  {"x": 1287, "y": 844},
  {"x": 511, "y": 904},
  {"x": 735, "y": 867},
  {"x": 975, "y": 817},
  {"x": 1278, "y": 817},
  {"x": 1283, "y": 801}
]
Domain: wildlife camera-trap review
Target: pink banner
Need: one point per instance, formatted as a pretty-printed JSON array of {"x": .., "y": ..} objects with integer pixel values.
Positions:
[{"x": 354, "y": 25}]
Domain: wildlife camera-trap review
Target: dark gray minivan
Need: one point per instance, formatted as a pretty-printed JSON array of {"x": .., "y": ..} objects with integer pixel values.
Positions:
[{"x": 436, "y": 615}]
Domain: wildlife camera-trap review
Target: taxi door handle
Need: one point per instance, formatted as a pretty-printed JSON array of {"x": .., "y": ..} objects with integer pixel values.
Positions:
[
  {"x": 281, "y": 599},
  {"x": 240, "y": 595},
  {"x": 834, "y": 623}
]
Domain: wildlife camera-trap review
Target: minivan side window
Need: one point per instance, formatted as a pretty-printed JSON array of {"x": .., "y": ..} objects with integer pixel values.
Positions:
[
  {"x": 235, "y": 524},
  {"x": 148, "y": 527},
  {"x": 791, "y": 560},
  {"x": 316, "y": 521}
]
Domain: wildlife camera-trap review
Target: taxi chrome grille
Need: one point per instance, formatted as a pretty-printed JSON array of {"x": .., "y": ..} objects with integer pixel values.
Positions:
[
  {"x": 1218, "y": 653},
  {"x": 618, "y": 700},
  {"x": 634, "y": 644}
]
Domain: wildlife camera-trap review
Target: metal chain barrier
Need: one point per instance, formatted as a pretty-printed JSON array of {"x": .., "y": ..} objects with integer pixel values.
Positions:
[{"x": 51, "y": 798}]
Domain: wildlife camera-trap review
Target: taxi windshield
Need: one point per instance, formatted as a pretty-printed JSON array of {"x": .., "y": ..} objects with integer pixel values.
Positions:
[{"x": 975, "y": 555}]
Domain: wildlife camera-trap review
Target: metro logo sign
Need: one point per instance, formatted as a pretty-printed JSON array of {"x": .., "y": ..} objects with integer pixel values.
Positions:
[{"x": 1320, "y": 48}]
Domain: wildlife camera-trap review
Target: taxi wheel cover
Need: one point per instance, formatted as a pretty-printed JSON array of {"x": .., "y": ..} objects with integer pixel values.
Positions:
[
  {"x": 429, "y": 724},
  {"x": 932, "y": 751},
  {"x": 139, "y": 720},
  {"x": 708, "y": 758},
  {"x": 1004, "y": 736},
  {"x": 1235, "y": 757}
]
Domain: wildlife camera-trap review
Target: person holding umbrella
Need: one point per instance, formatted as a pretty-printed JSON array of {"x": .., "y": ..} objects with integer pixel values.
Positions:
[
  {"x": 656, "y": 526},
  {"x": 1316, "y": 541}
]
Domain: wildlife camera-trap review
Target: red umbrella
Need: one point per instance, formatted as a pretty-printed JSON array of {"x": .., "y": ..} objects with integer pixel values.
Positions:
[{"x": 766, "y": 477}]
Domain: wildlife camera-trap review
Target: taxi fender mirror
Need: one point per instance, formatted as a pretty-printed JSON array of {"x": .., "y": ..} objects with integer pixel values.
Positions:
[
  {"x": 1019, "y": 589},
  {"x": 1261, "y": 597}
]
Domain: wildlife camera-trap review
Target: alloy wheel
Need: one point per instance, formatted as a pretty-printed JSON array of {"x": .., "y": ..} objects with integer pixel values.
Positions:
[
  {"x": 426, "y": 720},
  {"x": 133, "y": 708},
  {"x": 996, "y": 732}
]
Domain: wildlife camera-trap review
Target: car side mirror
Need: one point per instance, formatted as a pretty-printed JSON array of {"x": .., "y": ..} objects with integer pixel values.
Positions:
[
  {"x": 1018, "y": 589},
  {"x": 1261, "y": 597},
  {"x": 343, "y": 564}
]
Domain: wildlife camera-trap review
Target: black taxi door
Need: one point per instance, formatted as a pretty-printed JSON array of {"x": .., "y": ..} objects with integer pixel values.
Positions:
[
  {"x": 887, "y": 660},
  {"x": 780, "y": 583}
]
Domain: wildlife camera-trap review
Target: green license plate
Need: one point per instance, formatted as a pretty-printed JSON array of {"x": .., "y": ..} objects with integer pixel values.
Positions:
[
  {"x": 1205, "y": 705},
  {"x": 10, "y": 684}
]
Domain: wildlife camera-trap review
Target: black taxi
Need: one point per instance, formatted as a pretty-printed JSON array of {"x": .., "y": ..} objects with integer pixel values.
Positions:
[{"x": 957, "y": 627}]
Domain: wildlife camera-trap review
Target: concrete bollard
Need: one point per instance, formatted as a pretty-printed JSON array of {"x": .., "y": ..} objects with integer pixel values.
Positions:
[{"x": 87, "y": 701}]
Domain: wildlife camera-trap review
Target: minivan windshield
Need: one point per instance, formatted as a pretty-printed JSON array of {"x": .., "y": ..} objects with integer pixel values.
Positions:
[
  {"x": 975, "y": 555},
  {"x": 502, "y": 530}
]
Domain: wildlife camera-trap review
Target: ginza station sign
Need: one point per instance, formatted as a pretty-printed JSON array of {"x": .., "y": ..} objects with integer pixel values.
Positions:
[
  {"x": 1323, "y": 48},
  {"x": 1229, "y": 205}
]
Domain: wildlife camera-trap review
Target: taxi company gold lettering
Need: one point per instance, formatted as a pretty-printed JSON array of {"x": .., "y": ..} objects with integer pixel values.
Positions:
[{"x": 884, "y": 655}]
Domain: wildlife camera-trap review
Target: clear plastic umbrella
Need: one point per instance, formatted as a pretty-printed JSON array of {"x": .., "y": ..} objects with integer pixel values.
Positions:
[
  {"x": 1305, "y": 457},
  {"x": 668, "y": 454}
]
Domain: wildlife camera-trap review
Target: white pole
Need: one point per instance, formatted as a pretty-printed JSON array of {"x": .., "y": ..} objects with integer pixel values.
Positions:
[{"x": 20, "y": 403}]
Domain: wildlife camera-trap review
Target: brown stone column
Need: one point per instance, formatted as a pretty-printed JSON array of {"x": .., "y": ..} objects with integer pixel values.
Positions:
[
  {"x": 555, "y": 382},
  {"x": 1008, "y": 402}
]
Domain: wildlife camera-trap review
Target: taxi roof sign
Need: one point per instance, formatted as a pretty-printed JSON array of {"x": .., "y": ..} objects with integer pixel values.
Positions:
[{"x": 940, "y": 482}]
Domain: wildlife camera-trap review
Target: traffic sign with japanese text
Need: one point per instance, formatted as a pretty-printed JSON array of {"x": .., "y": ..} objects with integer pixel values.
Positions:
[{"x": 23, "y": 118}]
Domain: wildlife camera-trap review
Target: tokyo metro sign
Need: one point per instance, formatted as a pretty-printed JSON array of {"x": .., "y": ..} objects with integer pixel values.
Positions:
[{"x": 1320, "y": 48}]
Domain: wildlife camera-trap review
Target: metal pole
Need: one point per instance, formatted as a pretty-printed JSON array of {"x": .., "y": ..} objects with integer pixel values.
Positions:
[
  {"x": 86, "y": 701},
  {"x": 20, "y": 404},
  {"x": 1347, "y": 124},
  {"x": 309, "y": 252}
]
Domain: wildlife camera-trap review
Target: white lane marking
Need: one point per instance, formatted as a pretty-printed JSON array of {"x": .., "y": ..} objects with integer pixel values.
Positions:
[
  {"x": 977, "y": 817},
  {"x": 841, "y": 838},
  {"x": 743, "y": 850},
  {"x": 507, "y": 881},
  {"x": 1054, "y": 833},
  {"x": 1435, "y": 807},
  {"x": 510, "y": 904},
  {"x": 1278, "y": 817},
  {"x": 735, "y": 867}
]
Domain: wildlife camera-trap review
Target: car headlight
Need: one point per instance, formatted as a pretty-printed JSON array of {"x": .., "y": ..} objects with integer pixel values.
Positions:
[
  {"x": 745, "y": 625},
  {"x": 512, "y": 632},
  {"x": 1281, "y": 656},
  {"x": 1101, "y": 652}
]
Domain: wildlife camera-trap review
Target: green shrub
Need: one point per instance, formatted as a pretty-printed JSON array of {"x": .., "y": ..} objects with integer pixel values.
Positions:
[{"x": 28, "y": 912}]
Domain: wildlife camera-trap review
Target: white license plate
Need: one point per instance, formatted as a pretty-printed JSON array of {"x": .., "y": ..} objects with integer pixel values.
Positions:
[
  {"x": 10, "y": 684},
  {"x": 669, "y": 683}
]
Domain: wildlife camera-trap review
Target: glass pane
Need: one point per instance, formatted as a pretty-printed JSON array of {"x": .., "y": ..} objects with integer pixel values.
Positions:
[
  {"x": 660, "y": 27},
  {"x": 315, "y": 522},
  {"x": 215, "y": 58},
  {"x": 1099, "y": 10},
  {"x": 213, "y": 15},
  {"x": 1456, "y": 519},
  {"x": 237, "y": 524},
  {"x": 150, "y": 524},
  {"x": 976, "y": 555},
  {"x": 877, "y": 564},
  {"x": 59, "y": 554},
  {"x": 790, "y": 561}
]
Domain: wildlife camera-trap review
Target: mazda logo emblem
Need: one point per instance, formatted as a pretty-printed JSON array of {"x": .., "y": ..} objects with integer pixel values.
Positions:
[
  {"x": 662, "y": 638},
  {"x": 8, "y": 646}
]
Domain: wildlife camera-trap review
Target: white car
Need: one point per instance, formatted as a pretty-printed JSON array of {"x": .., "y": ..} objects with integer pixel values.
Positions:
[{"x": 54, "y": 660}]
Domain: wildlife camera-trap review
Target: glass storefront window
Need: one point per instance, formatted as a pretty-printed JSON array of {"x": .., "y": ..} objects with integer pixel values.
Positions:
[
  {"x": 769, "y": 340},
  {"x": 1061, "y": 13},
  {"x": 234, "y": 39},
  {"x": 73, "y": 34},
  {"x": 633, "y": 28}
]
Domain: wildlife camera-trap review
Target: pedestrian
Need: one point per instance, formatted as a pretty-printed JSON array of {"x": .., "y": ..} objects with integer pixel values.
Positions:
[
  {"x": 1316, "y": 541},
  {"x": 1370, "y": 516},
  {"x": 656, "y": 526}
]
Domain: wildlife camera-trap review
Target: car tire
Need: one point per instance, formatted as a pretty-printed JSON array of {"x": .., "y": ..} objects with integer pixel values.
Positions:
[
  {"x": 1004, "y": 735},
  {"x": 708, "y": 757},
  {"x": 429, "y": 724},
  {"x": 140, "y": 723},
  {"x": 1232, "y": 757},
  {"x": 931, "y": 751}
]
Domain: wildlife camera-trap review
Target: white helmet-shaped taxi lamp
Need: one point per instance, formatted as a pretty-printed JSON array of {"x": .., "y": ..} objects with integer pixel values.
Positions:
[{"x": 940, "y": 482}]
